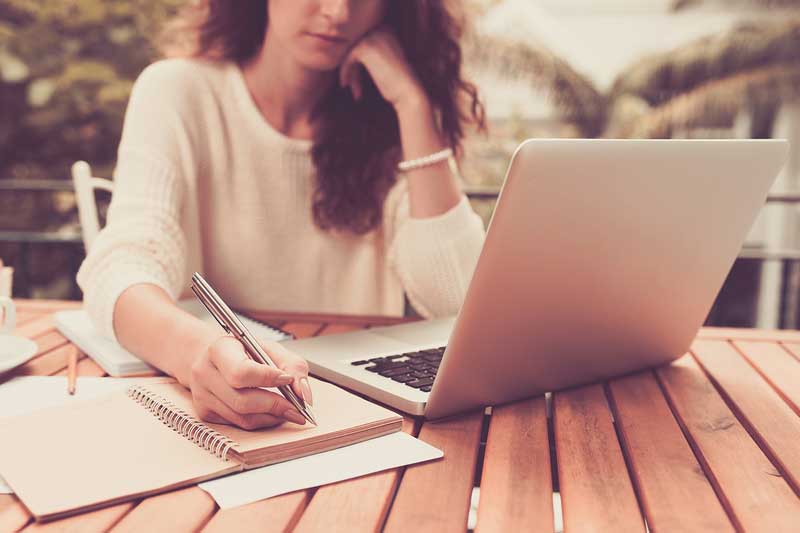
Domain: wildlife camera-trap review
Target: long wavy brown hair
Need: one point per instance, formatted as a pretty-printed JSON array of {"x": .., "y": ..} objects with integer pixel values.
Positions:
[{"x": 356, "y": 144}]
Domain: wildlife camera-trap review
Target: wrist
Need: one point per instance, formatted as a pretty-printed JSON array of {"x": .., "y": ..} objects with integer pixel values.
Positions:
[{"x": 414, "y": 105}]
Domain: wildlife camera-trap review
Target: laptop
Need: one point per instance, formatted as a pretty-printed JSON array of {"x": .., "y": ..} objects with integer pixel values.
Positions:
[{"x": 602, "y": 258}]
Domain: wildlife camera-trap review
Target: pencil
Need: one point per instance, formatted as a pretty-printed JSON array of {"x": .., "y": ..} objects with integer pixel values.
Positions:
[{"x": 72, "y": 370}]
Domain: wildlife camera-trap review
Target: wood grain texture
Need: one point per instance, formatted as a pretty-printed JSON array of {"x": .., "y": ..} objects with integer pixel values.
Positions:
[
  {"x": 435, "y": 496},
  {"x": 13, "y": 515},
  {"x": 752, "y": 491},
  {"x": 100, "y": 520},
  {"x": 674, "y": 491},
  {"x": 274, "y": 515},
  {"x": 181, "y": 510},
  {"x": 596, "y": 491},
  {"x": 516, "y": 482},
  {"x": 769, "y": 419},
  {"x": 354, "y": 504},
  {"x": 776, "y": 365}
]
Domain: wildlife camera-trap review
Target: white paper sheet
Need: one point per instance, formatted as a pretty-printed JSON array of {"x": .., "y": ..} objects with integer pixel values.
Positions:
[
  {"x": 375, "y": 455},
  {"x": 29, "y": 393}
]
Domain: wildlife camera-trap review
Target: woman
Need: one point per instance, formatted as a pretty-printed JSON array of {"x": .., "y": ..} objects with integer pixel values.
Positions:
[{"x": 267, "y": 158}]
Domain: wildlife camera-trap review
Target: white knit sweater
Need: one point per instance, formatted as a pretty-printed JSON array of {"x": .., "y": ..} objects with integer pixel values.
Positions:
[{"x": 203, "y": 183}]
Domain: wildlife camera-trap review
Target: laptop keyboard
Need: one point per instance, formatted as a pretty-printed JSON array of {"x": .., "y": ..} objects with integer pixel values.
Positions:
[{"x": 414, "y": 369}]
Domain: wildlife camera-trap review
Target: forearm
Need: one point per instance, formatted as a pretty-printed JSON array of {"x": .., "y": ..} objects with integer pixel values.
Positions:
[
  {"x": 150, "y": 325},
  {"x": 434, "y": 189}
]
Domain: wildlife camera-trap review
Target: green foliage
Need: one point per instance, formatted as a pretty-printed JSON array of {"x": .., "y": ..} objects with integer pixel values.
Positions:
[{"x": 66, "y": 69}]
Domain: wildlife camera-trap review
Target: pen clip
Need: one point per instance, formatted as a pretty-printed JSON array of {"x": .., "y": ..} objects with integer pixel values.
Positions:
[{"x": 201, "y": 297}]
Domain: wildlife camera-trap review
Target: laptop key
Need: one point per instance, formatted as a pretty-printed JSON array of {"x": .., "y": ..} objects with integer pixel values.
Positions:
[
  {"x": 425, "y": 389},
  {"x": 404, "y": 378},
  {"x": 359, "y": 363},
  {"x": 421, "y": 375},
  {"x": 424, "y": 382},
  {"x": 373, "y": 368},
  {"x": 394, "y": 371}
]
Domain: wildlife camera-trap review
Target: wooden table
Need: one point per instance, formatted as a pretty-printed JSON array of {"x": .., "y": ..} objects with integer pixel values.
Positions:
[{"x": 709, "y": 443}]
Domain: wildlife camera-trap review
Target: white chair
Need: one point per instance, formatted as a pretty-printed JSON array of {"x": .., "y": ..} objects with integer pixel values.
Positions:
[
  {"x": 85, "y": 185},
  {"x": 6, "y": 280}
]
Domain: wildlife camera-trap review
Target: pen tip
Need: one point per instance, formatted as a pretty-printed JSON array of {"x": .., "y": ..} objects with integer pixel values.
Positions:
[{"x": 310, "y": 415}]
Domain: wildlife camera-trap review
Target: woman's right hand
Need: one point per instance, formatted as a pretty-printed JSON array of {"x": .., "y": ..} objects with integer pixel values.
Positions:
[{"x": 225, "y": 385}]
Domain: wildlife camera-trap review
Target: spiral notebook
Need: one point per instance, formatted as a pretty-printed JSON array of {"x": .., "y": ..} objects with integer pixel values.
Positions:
[
  {"x": 146, "y": 439},
  {"x": 116, "y": 360}
]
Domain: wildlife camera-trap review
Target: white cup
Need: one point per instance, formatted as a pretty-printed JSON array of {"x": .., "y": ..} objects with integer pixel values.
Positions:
[{"x": 9, "y": 315}]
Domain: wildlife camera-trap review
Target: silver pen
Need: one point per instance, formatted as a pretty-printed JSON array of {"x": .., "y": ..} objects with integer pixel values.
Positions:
[{"x": 231, "y": 324}]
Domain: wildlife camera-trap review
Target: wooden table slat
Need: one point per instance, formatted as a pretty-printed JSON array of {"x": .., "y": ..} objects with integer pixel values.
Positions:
[
  {"x": 761, "y": 335},
  {"x": 793, "y": 348},
  {"x": 86, "y": 368},
  {"x": 36, "y": 327},
  {"x": 755, "y": 495},
  {"x": 13, "y": 515},
  {"x": 516, "y": 482},
  {"x": 776, "y": 365},
  {"x": 274, "y": 515},
  {"x": 46, "y": 306},
  {"x": 763, "y": 412},
  {"x": 674, "y": 491},
  {"x": 100, "y": 520},
  {"x": 182, "y": 510},
  {"x": 596, "y": 492},
  {"x": 48, "y": 341},
  {"x": 677, "y": 489},
  {"x": 353, "y": 504},
  {"x": 435, "y": 496},
  {"x": 23, "y": 317},
  {"x": 47, "y": 364}
]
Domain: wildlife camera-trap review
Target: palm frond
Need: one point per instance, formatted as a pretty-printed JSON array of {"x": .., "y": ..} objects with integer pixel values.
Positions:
[
  {"x": 657, "y": 78},
  {"x": 714, "y": 104},
  {"x": 572, "y": 94}
]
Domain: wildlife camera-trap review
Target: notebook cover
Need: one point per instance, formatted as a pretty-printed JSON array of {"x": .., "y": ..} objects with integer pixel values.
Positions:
[{"x": 65, "y": 460}]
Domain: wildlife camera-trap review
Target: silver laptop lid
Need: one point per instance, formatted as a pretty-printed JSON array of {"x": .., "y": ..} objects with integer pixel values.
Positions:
[{"x": 602, "y": 257}]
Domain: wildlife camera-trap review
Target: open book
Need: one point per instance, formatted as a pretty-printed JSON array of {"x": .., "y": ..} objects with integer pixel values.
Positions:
[
  {"x": 116, "y": 360},
  {"x": 146, "y": 439}
]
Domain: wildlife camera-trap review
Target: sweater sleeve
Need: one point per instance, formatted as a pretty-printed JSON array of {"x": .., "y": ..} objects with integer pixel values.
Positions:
[
  {"x": 142, "y": 241},
  {"x": 433, "y": 257}
]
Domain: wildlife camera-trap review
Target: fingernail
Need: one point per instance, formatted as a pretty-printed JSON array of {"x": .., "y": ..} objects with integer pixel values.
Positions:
[
  {"x": 293, "y": 415},
  {"x": 305, "y": 390},
  {"x": 283, "y": 379}
]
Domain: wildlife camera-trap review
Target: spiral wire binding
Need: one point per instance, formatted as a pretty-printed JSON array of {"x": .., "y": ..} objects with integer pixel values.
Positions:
[{"x": 182, "y": 422}]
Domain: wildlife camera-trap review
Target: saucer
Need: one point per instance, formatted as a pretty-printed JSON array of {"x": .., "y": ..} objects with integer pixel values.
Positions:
[{"x": 15, "y": 351}]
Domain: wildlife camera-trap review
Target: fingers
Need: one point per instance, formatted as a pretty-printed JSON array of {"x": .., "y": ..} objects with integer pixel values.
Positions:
[
  {"x": 251, "y": 401},
  {"x": 292, "y": 364},
  {"x": 228, "y": 356},
  {"x": 350, "y": 74},
  {"x": 212, "y": 409}
]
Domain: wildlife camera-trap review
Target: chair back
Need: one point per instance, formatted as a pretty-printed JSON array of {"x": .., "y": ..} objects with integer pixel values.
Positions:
[
  {"x": 85, "y": 185},
  {"x": 6, "y": 280}
]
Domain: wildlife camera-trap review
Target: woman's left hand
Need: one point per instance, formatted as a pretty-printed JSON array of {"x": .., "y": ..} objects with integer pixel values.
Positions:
[{"x": 381, "y": 55}]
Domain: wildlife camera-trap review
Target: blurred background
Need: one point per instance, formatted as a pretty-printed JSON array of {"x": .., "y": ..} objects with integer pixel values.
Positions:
[{"x": 546, "y": 68}]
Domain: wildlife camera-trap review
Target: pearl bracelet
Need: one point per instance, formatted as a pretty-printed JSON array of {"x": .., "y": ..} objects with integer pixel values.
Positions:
[{"x": 426, "y": 161}]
